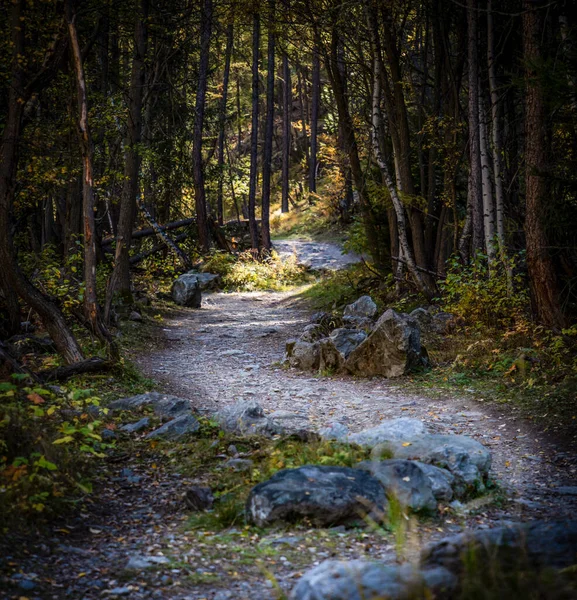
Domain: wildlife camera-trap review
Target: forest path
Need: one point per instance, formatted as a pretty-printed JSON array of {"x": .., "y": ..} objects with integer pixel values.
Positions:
[{"x": 229, "y": 350}]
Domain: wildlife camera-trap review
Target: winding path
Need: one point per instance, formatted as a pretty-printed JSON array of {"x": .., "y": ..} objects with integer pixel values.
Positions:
[{"x": 229, "y": 350}]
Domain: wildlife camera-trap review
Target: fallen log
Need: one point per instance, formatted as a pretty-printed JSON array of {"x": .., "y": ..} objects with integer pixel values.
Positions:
[
  {"x": 163, "y": 236},
  {"x": 90, "y": 365},
  {"x": 142, "y": 255},
  {"x": 151, "y": 231}
]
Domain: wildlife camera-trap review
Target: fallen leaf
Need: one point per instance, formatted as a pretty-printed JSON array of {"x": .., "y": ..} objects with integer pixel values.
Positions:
[
  {"x": 405, "y": 444},
  {"x": 35, "y": 398}
]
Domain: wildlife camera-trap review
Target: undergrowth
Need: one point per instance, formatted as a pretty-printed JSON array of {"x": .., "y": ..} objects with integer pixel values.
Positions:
[
  {"x": 245, "y": 273},
  {"x": 49, "y": 445}
]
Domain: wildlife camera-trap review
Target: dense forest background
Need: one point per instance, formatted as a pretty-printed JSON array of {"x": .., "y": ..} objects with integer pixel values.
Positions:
[{"x": 441, "y": 134}]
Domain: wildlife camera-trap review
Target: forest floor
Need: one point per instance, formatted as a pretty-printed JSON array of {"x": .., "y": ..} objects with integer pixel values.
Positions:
[{"x": 231, "y": 349}]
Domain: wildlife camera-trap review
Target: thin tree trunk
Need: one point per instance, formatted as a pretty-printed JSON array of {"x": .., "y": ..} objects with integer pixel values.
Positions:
[
  {"x": 486, "y": 184},
  {"x": 332, "y": 65},
  {"x": 286, "y": 132},
  {"x": 119, "y": 282},
  {"x": 197, "y": 162},
  {"x": 91, "y": 309},
  {"x": 304, "y": 119},
  {"x": 543, "y": 281},
  {"x": 222, "y": 122},
  {"x": 254, "y": 135},
  {"x": 268, "y": 134},
  {"x": 496, "y": 131},
  {"x": 50, "y": 315},
  {"x": 406, "y": 251},
  {"x": 474, "y": 191},
  {"x": 315, "y": 107}
]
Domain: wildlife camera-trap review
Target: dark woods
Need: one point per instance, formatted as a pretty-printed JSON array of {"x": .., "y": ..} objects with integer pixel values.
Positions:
[{"x": 448, "y": 128}]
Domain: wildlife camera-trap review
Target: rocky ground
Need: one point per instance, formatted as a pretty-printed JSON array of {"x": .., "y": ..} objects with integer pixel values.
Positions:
[{"x": 231, "y": 349}]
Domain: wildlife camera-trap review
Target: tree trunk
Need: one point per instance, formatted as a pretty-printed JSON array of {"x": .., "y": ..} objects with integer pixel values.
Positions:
[
  {"x": 496, "y": 131},
  {"x": 197, "y": 162},
  {"x": 315, "y": 107},
  {"x": 376, "y": 135},
  {"x": 222, "y": 122},
  {"x": 254, "y": 135},
  {"x": 286, "y": 132},
  {"x": 474, "y": 189},
  {"x": 119, "y": 282},
  {"x": 52, "y": 318},
  {"x": 268, "y": 134},
  {"x": 544, "y": 285},
  {"x": 332, "y": 66},
  {"x": 486, "y": 184},
  {"x": 91, "y": 309}
]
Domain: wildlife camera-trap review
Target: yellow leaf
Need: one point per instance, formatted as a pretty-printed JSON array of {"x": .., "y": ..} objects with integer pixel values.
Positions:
[
  {"x": 64, "y": 440},
  {"x": 405, "y": 444}
]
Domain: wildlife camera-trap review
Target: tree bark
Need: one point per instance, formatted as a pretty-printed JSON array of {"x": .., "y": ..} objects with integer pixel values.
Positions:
[
  {"x": 197, "y": 162},
  {"x": 254, "y": 135},
  {"x": 91, "y": 308},
  {"x": 222, "y": 122},
  {"x": 486, "y": 183},
  {"x": 315, "y": 107},
  {"x": 268, "y": 134},
  {"x": 474, "y": 187},
  {"x": 496, "y": 130},
  {"x": 543, "y": 281},
  {"x": 119, "y": 282},
  {"x": 286, "y": 132},
  {"x": 376, "y": 136}
]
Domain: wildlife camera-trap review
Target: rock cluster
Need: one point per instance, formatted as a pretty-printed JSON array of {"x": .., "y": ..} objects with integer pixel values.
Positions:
[
  {"x": 177, "y": 412},
  {"x": 416, "y": 468},
  {"x": 445, "y": 567},
  {"x": 356, "y": 344}
]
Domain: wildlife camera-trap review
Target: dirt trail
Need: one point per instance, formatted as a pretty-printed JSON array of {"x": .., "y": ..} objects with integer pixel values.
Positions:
[{"x": 230, "y": 350}]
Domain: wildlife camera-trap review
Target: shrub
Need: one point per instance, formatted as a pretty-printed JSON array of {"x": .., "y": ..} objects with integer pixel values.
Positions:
[
  {"x": 494, "y": 295},
  {"x": 47, "y": 445}
]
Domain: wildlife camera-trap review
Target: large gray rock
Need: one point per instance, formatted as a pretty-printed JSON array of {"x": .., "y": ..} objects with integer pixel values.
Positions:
[
  {"x": 364, "y": 580},
  {"x": 405, "y": 481},
  {"x": 176, "y": 429},
  {"x": 467, "y": 460},
  {"x": 303, "y": 355},
  {"x": 346, "y": 340},
  {"x": 363, "y": 307},
  {"x": 403, "y": 429},
  {"x": 186, "y": 291},
  {"x": 206, "y": 281},
  {"x": 531, "y": 546},
  {"x": 164, "y": 405},
  {"x": 392, "y": 349},
  {"x": 247, "y": 418},
  {"x": 324, "y": 495}
]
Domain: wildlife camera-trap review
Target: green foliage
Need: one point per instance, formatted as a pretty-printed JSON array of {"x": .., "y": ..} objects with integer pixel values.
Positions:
[
  {"x": 336, "y": 289},
  {"x": 61, "y": 281},
  {"x": 246, "y": 273},
  {"x": 492, "y": 295},
  {"x": 48, "y": 444}
]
